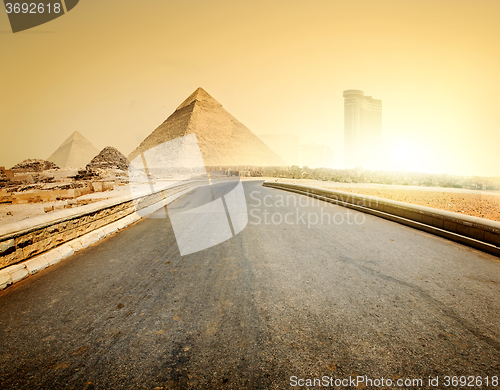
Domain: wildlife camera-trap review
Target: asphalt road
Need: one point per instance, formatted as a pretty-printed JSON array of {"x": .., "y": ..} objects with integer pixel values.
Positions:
[{"x": 356, "y": 296}]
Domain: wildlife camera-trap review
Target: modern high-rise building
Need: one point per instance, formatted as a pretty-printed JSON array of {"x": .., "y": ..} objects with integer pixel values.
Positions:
[{"x": 362, "y": 130}]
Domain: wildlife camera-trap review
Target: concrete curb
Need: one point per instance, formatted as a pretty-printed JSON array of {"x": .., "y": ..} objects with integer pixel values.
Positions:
[
  {"x": 18, "y": 272},
  {"x": 478, "y": 233}
]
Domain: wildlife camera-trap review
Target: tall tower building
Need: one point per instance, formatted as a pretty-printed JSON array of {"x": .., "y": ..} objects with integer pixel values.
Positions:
[{"x": 362, "y": 130}]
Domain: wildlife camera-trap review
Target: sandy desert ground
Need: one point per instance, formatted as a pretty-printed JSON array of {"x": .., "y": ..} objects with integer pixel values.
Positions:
[{"x": 483, "y": 204}]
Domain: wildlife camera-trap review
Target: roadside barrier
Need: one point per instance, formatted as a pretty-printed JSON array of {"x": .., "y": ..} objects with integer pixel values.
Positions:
[{"x": 31, "y": 245}]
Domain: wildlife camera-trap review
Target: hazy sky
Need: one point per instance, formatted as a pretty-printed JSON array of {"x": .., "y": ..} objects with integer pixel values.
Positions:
[{"x": 115, "y": 69}]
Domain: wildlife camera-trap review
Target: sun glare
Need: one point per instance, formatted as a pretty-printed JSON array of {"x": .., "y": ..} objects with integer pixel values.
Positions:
[{"x": 402, "y": 156}]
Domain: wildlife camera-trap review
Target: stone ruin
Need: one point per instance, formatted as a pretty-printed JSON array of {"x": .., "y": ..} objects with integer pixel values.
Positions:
[
  {"x": 33, "y": 181},
  {"x": 27, "y": 172},
  {"x": 6, "y": 175},
  {"x": 34, "y": 165}
]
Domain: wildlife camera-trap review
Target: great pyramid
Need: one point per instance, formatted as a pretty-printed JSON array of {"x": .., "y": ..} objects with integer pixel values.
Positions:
[
  {"x": 75, "y": 152},
  {"x": 223, "y": 140}
]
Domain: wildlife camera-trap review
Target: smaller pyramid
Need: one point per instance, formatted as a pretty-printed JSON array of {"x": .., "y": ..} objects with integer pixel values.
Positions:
[
  {"x": 109, "y": 158},
  {"x": 34, "y": 165},
  {"x": 75, "y": 152}
]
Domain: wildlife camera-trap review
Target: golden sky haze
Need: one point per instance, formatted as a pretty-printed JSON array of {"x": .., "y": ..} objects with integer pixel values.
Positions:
[{"x": 113, "y": 70}]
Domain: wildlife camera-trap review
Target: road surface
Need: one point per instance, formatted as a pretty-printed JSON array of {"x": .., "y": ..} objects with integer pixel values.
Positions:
[{"x": 286, "y": 299}]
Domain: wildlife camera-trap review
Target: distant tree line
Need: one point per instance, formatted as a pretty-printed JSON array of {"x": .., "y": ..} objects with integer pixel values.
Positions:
[{"x": 379, "y": 177}]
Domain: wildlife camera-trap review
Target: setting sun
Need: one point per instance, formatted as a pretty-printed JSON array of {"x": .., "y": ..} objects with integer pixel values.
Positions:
[{"x": 403, "y": 157}]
